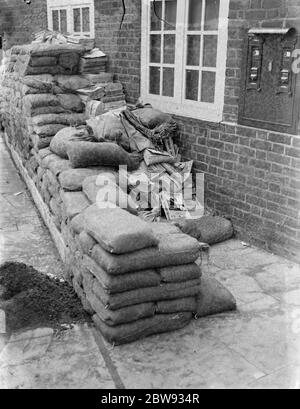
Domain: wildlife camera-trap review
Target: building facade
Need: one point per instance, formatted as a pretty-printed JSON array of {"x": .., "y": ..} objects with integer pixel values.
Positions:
[{"x": 227, "y": 70}]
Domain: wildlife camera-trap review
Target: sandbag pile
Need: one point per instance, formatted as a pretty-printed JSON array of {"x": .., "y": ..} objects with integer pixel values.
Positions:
[
  {"x": 139, "y": 278},
  {"x": 36, "y": 102},
  {"x": 134, "y": 278},
  {"x": 39, "y": 58}
]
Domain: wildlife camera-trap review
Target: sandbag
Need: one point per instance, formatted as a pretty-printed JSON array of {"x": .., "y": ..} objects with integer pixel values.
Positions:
[
  {"x": 181, "y": 305},
  {"x": 44, "y": 82},
  {"x": 123, "y": 315},
  {"x": 43, "y": 61},
  {"x": 71, "y": 82},
  {"x": 214, "y": 298},
  {"x": 45, "y": 110},
  {"x": 92, "y": 184},
  {"x": 126, "y": 333},
  {"x": 48, "y": 49},
  {"x": 74, "y": 203},
  {"x": 162, "y": 228},
  {"x": 117, "y": 231},
  {"x": 86, "y": 242},
  {"x": 40, "y": 100},
  {"x": 174, "y": 249},
  {"x": 71, "y": 102},
  {"x": 178, "y": 274},
  {"x": 67, "y": 136},
  {"x": 151, "y": 118},
  {"x": 208, "y": 229},
  {"x": 171, "y": 291},
  {"x": 28, "y": 70},
  {"x": 109, "y": 128},
  {"x": 63, "y": 119},
  {"x": 73, "y": 179},
  {"x": 55, "y": 163},
  {"x": 39, "y": 142},
  {"x": 68, "y": 102},
  {"x": 85, "y": 154},
  {"x": 126, "y": 282},
  {"x": 53, "y": 186},
  {"x": 47, "y": 130},
  {"x": 77, "y": 224},
  {"x": 106, "y": 199}
]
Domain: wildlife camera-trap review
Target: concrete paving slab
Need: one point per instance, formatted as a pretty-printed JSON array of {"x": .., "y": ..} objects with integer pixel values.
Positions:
[
  {"x": 264, "y": 339},
  {"x": 71, "y": 360},
  {"x": 286, "y": 378},
  {"x": 188, "y": 359}
]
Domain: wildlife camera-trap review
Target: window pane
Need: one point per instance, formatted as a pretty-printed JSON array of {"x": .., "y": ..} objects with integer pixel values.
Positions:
[
  {"x": 192, "y": 84},
  {"x": 156, "y": 15},
  {"x": 154, "y": 80},
  {"x": 170, "y": 14},
  {"x": 77, "y": 23},
  {"x": 212, "y": 15},
  {"x": 193, "y": 50},
  {"x": 210, "y": 51},
  {"x": 208, "y": 86},
  {"x": 169, "y": 49},
  {"x": 195, "y": 14},
  {"x": 155, "y": 48},
  {"x": 86, "y": 20},
  {"x": 55, "y": 21},
  {"x": 168, "y": 82},
  {"x": 63, "y": 21}
]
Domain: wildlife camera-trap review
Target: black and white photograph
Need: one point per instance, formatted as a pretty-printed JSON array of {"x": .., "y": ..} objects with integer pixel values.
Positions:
[{"x": 149, "y": 197}]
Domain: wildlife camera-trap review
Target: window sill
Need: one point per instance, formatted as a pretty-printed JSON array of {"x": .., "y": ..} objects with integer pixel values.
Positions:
[{"x": 195, "y": 110}]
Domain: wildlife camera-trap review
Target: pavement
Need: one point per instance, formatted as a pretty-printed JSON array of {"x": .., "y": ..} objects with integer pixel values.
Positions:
[{"x": 256, "y": 347}]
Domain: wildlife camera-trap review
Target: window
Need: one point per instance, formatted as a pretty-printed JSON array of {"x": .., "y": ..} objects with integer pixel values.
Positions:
[
  {"x": 184, "y": 56},
  {"x": 74, "y": 17}
]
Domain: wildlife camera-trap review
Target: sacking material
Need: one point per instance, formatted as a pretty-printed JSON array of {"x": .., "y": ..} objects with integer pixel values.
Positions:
[
  {"x": 67, "y": 136},
  {"x": 208, "y": 229},
  {"x": 85, "y": 154},
  {"x": 126, "y": 333},
  {"x": 117, "y": 231}
]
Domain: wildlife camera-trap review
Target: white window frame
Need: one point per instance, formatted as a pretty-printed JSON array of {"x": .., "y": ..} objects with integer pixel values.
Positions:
[
  {"x": 69, "y": 5},
  {"x": 178, "y": 105}
]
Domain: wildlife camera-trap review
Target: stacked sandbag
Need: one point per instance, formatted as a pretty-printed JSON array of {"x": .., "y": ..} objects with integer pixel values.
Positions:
[
  {"x": 39, "y": 58},
  {"x": 50, "y": 166},
  {"x": 38, "y": 95},
  {"x": 140, "y": 279}
]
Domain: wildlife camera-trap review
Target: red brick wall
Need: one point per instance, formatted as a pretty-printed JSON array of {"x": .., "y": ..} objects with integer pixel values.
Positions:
[{"x": 121, "y": 45}]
